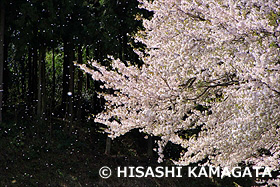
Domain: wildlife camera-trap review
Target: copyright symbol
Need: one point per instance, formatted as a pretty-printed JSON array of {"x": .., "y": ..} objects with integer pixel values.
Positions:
[{"x": 105, "y": 172}]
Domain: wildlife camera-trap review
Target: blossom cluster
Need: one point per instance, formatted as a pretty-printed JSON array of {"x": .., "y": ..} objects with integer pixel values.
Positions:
[{"x": 221, "y": 55}]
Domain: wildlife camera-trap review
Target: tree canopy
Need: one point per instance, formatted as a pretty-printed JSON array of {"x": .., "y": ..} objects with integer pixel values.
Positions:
[{"x": 212, "y": 65}]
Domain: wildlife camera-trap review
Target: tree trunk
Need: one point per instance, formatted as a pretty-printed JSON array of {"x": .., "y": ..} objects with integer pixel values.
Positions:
[
  {"x": 2, "y": 24},
  {"x": 124, "y": 47},
  {"x": 108, "y": 146},
  {"x": 35, "y": 78},
  {"x": 71, "y": 85},
  {"x": 6, "y": 74},
  {"x": 68, "y": 82},
  {"x": 53, "y": 78},
  {"x": 65, "y": 83},
  {"x": 30, "y": 79},
  {"x": 80, "y": 85},
  {"x": 44, "y": 91},
  {"x": 22, "y": 69},
  {"x": 150, "y": 146},
  {"x": 41, "y": 107},
  {"x": 39, "y": 103},
  {"x": 88, "y": 75}
]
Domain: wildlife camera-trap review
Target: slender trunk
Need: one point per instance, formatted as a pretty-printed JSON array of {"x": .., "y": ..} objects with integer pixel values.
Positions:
[
  {"x": 39, "y": 103},
  {"x": 68, "y": 82},
  {"x": 22, "y": 69},
  {"x": 44, "y": 93},
  {"x": 41, "y": 107},
  {"x": 150, "y": 146},
  {"x": 35, "y": 78},
  {"x": 6, "y": 71},
  {"x": 30, "y": 79},
  {"x": 71, "y": 85},
  {"x": 108, "y": 146},
  {"x": 2, "y": 23},
  {"x": 65, "y": 83},
  {"x": 53, "y": 78},
  {"x": 88, "y": 76},
  {"x": 80, "y": 85},
  {"x": 121, "y": 48},
  {"x": 124, "y": 52}
]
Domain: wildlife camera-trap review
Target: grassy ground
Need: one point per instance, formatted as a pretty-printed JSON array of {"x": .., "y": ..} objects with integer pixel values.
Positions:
[{"x": 33, "y": 154}]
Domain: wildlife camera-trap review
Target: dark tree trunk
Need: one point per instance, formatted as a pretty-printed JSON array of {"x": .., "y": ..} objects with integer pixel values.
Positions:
[
  {"x": 80, "y": 85},
  {"x": 150, "y": 147},
  {"x": 71, "y": 86},
  {"x": 2, "y": 24},
  {"x": 41, "y": 107},
  {"x": 6, "y": 71},
  {"x": 124, "y": 47},
  {"x": 30, "y": 78},
  {"x": 120, "y": 49},
  {"x": 65, "y": 83},
  {"x": 108, "y": 146},
  {"x": 39, "y": 103},
  {"x": 35, "y": 78},
  {"x": 53, "y": 78},
  {"x": 88, "y": 76},
  {"x": 44, "y": 93},
  {"x": 68, "y": 82},
  {"x": 22, "y": 69}
]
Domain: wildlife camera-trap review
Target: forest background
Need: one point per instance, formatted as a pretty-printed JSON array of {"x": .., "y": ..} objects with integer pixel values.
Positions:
[{"x": 48, "y": 135}]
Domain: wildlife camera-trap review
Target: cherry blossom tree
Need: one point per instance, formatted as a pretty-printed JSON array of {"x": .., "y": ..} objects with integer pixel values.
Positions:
[{"x": 212, "y": 64}]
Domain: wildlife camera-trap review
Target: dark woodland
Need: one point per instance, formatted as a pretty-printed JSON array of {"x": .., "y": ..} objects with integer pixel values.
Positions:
[{"x": 47, "y": 129}]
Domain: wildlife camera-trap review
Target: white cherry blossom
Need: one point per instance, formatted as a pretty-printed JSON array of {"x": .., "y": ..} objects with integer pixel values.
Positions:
[{"x": 223, "y": 55}]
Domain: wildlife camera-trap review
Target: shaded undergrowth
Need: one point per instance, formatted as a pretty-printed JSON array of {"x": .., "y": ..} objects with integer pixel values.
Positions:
[{"x": 56, "y": 154}]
